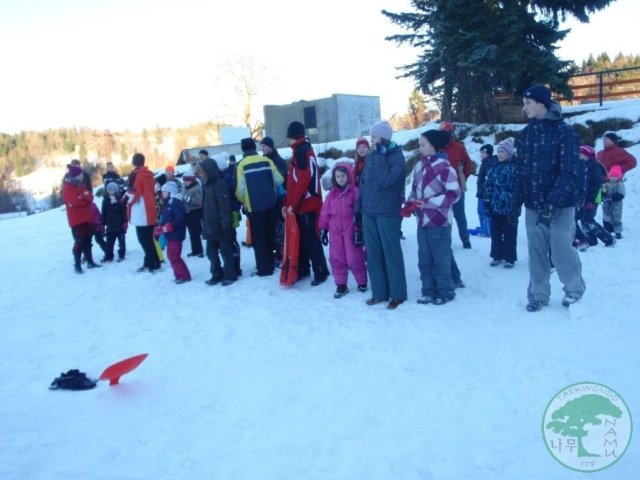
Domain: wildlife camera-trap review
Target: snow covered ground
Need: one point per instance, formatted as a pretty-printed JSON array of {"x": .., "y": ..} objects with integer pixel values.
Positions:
[{"x": 255, "y": 381}]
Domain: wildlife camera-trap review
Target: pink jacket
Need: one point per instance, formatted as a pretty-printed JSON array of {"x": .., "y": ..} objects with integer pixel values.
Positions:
[{"x": 339, "y": 206}]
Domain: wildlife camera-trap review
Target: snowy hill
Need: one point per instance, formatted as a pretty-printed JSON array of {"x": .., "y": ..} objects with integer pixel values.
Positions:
[{"x": 254, "y": 381}]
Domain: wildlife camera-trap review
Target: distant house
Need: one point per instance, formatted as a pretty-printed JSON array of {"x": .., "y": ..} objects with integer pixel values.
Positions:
[{"x": 326, "y": 119}]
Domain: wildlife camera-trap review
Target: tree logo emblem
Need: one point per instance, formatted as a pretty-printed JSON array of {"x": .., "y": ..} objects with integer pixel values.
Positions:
[{"x": 587, "y": 427}]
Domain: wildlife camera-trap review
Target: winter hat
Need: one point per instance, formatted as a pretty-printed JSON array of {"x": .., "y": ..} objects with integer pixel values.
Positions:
[
  {"x": 612, "y": 136},
  {"x": 539, "y": 93},
  {"x": 447, "y": 127},
  {"x": 247, "y": 144},
  {"x": 74, "y": 170},
  {"x": 203, "y": 152},
  {"x": 170, "y": 187},
  {"x": 295, "y": 130},
  {"x": 268, "y": 141},
  {"x": 487, "y": 148},
  {"x": 437, "y": 138},
  {"x": 362, "y": 141},
  {"x": 189, "y": 176},
  {"x": 170, "y": 169},
  {"x": 382, "y": 129},
  {"x": 615, "y": 172},
  {"x": 507, "y": 146},
  {"x": 112, "y": 187},
  {"x": 138, "y": 159},
  {"x": 588, "y": 151}
]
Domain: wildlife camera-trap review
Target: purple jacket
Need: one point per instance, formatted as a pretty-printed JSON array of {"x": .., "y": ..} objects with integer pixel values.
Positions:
[
  {"x": 435, "y": 184},
  {"x": 339, "y": 206},
  {"x": 337, "y": 217}
]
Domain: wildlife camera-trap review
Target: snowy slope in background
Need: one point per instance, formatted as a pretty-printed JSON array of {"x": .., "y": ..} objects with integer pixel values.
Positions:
[{"x": 255, "y": 381}]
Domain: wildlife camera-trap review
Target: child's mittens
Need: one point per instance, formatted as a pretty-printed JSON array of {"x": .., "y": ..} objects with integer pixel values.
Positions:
[
  {"x": 409, "y": 207},
  {"x": 324, "y": 237}
]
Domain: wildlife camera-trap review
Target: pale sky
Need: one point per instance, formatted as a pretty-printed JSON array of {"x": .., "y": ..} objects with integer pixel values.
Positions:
[{"x": 136, "y": 63}]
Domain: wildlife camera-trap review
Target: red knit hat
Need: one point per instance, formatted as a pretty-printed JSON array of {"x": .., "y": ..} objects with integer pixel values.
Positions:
[
  {"x": 447, "y": 127},
  {"x": 588, "y": 151},
  {"x": 362, "y": 141}
]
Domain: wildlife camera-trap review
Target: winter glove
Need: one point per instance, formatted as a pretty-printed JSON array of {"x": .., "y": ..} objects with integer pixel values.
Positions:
[
  {"x": 357, "y": 219},
  {"x": 409, "y": 207},
  {"x": 324, "y": 237},
  {"x": 617, "y": 197},
  {"x": 589, "y": 206},
  {"x": 158, "y": 231},
  {"x": 544, "y": 217},
  {"x": 235, "y": 218},
  {"x": 358, "y": 238}
]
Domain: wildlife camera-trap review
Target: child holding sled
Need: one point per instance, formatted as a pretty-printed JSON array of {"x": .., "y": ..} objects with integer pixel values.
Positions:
[{"x": 341, "y": 233}]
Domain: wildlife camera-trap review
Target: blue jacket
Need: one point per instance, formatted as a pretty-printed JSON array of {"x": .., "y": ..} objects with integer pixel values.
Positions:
[
  {"x": 382, "y": 181},
  {"x": 548, "y": 166},
  {"x": 175, "y": 214},
  {"x": 498, "y": 187}
]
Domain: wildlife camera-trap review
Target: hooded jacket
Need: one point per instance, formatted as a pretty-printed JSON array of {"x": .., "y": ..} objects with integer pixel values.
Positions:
[
  {"x": 216, "y": 202},
  {"x": 303, "y": 179},
  {"x": 549, "y": 171},
  {"x": 382, "y": 181},
  {"x": 339, "y": 205},
  {"x": 615, "y": 155}
]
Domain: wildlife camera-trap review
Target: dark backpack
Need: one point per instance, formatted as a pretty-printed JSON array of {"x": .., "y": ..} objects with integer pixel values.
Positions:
[{"x": 72, "y": 380}]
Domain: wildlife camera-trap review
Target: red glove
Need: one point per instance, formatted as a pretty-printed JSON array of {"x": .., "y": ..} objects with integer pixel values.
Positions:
[
  {"x": 168, "y": 227},
  {"x": 409, "y": 207},
  {"x": 158, "y": 231}
]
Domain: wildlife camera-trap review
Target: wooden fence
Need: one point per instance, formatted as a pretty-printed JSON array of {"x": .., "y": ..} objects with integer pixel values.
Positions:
[{"x": 607, "y": 84}]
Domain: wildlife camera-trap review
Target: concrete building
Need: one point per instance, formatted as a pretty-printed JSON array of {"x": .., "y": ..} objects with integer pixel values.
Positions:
[{"x": 326, "y": 119}]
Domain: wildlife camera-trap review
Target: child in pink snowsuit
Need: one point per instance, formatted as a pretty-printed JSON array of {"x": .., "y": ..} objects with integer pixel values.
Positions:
[{"x": 337, "y": 223}]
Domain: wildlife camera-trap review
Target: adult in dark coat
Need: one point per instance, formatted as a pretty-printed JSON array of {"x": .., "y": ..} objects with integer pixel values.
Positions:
[
  {"x": 549, "y": 182},
  {"x": 217, "y": 224}
]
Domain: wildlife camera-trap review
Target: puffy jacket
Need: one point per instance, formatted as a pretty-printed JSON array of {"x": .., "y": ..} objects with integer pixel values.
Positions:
[
  {"x": 114, "y": 213},
  {"x": 485, "y": 166},
  {"x": 615, "y": 155},
  {"x": 499, "y": 187},
  {"x": 596, "y": 176},
  {"x": 339, "y": 205},
  {"x": 460, "y": 161},
  {"x": 175, "y": 215},
  {"x": 78, "y": 200},
  {"x": 435, "y": 184},
  {"x": 382, "y": 181}
]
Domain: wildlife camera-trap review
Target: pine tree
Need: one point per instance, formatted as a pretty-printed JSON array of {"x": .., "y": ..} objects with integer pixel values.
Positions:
[{"x": 474, "y": 50}]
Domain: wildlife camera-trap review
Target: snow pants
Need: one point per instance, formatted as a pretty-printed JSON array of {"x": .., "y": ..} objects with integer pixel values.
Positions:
[
  {"x": 434, "y": 262},
  {"x": 345, "y": 256},
  {"x": 385, "y": 262},
  {"x": 174, "y": 252}
]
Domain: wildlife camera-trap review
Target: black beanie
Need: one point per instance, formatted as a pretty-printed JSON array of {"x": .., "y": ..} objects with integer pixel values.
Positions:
[
  {"x": 268, "y": 141},
  {"x": 138, "y": 159},
  {"x": 612, "y": 136},
  {"x": 295, "y": 130},
  {"x": 247, "y": 144},
  {"x": 487, "y": 148},
  {"x": 438, "y": 138},
  {"x": 203, "y": 152}
]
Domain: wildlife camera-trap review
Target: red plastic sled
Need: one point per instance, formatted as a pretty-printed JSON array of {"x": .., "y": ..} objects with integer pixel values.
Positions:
[
  {"x": 289, "y": 271},
  {"x": 115, "y": 371}
]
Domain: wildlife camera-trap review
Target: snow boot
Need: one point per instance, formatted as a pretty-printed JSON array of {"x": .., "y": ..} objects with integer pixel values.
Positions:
[{"x": 341, "y": 291}]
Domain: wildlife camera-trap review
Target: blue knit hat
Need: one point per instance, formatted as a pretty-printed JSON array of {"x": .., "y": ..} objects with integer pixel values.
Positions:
[{"x": 539, "y": 93}]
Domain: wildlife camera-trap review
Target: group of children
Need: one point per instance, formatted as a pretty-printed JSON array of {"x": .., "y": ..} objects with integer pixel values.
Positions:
[{"x": 434, "y": 191}]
